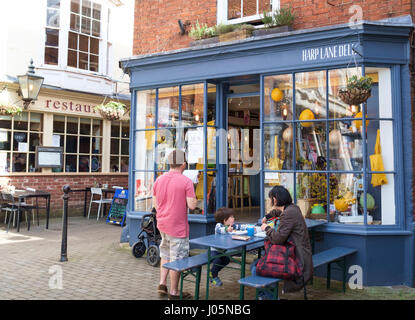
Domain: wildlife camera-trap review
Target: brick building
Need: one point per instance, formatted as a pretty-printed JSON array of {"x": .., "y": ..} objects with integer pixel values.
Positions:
[{"x": 273, "y": 113}]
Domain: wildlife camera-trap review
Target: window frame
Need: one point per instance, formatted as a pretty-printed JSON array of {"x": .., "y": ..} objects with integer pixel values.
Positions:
[
  {"x": 222, "y": 13},
  {"x": 120, "y": 139}
]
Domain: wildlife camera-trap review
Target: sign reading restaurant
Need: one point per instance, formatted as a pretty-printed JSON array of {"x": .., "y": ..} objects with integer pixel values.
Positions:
[
  {"x": 69, "y": 106},
  {"x": 328, "y": 52}
]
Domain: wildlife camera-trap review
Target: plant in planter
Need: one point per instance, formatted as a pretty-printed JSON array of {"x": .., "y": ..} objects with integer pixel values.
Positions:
[
  {"x": 279, "y": 21},
  {"x": 357, "y": 91},
  {"x": 234, "y": 32},
  {"x": 112, "y": 110},
  {"x": 10, "y": 110},
  {"x": 202, "y": 31}
]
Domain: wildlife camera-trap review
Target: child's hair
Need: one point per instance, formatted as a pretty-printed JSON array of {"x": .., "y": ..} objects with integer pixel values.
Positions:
[{"x": 223, "y": 214}]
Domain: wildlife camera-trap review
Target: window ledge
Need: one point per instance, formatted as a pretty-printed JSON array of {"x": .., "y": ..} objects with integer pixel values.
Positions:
[
  {"x": 33, "y": 174},
  {"x": 364, "y": 230}
]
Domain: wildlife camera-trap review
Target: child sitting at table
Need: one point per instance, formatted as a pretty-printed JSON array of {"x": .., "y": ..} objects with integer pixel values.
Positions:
[
  {"x": 272, "y": 218},
  {"x": 225, "y": 224}
]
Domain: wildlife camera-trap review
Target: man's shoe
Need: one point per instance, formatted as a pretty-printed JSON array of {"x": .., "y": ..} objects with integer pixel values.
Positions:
[
  {"x": 185, "y": 296},
  {"x": 162, "y": 290},
  {"x": 216, "y": 281}
]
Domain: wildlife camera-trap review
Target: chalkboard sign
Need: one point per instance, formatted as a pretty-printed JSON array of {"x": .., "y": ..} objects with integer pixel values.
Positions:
[
  {"x": 118, "y": 207},
  {"x": 48, "y": 157}
]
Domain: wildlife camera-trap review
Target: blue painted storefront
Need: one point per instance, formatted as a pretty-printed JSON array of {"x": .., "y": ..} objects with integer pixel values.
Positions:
[{"x": 385, "y": 252}]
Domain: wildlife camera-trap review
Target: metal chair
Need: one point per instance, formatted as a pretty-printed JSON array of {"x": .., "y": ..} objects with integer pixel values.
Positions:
[
  {"x": 35, "y": 206},
  {"x": 97, "y": 191},
  {"x": 117, "y": 187},
  {"x": 11, "y": 206}
]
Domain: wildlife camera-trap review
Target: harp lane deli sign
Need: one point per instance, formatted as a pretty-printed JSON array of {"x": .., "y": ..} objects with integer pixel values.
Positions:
[{"x": 328, "y": 52}]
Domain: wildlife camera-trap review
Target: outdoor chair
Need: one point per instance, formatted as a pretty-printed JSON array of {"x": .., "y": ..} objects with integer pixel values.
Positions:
[
  {"x": 35, "y": 206},
  {"x": 97, "y": 191},
  {"x": 10, "y": 206},
  {"x": 117, "y": 187}
]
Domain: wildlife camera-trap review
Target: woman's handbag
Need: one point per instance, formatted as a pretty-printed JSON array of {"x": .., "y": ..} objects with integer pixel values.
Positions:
[{"x": 279, "y": 261}]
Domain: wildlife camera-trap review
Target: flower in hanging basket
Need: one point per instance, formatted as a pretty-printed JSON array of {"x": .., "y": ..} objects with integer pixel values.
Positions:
[
  {"x": 358, "y": 90},
  {"x": 112, "y": 110},
  {"x": 10, "y": 110}
]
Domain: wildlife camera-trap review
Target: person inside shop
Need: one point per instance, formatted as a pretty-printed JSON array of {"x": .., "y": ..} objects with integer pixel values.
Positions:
[
  {"x": 225, "y": 219},
  {"x": 124, "y": 165},
  {"x": 291, "y": 225},
  {"x": 19, "y": 163},
  {"x": 173, "y": 194}
]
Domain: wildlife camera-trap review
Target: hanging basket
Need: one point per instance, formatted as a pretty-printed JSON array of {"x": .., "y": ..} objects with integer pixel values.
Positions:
[
  {"x": 10, "y": 110},
  {"x": 111, "y": 115},
  {"x": 112, "y": 110},
  {"x": 354, "y": 96}
]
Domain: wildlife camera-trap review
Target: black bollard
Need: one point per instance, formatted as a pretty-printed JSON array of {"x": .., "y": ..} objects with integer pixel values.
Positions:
[{"x": 64, "y": 247}]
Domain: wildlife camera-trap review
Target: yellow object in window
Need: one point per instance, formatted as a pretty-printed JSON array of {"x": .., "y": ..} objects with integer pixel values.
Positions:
[{"x": 376, "y": 163}]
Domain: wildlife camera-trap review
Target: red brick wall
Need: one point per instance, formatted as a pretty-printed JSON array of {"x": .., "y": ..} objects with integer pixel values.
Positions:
[{"x": 54, "y": 185}]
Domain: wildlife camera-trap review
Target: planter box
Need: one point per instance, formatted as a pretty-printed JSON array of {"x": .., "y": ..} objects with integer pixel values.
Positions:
[
  {"x": 203, "y": 42},
  {"x": 267, "y": 31},
  {"x": 235, "y": 35}
]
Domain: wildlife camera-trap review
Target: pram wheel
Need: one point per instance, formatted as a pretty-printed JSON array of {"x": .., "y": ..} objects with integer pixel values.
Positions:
[
  {"x": 153, "y": 255},
  {"x": 138, "y": 249}
]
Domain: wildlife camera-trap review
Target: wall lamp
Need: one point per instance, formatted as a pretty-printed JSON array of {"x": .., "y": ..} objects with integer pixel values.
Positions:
[{"x": 30, "y": 85}]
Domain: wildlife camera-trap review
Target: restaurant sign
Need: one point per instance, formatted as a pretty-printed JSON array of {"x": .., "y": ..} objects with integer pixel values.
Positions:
[{"x": 337, "y": 51}]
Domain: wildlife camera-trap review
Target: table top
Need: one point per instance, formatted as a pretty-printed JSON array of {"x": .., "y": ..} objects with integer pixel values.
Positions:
[
  {"x": 25, "y": 193},
  {"x": 314, "y": 223}
]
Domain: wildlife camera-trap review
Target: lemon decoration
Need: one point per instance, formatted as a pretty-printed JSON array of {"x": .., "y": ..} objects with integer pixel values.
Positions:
[
  {"x": 358, "y": 123},
  {"x": 341, "y": 205},
  {"x": 277, "y": 94},
  {"x": 306, "y": 114}
]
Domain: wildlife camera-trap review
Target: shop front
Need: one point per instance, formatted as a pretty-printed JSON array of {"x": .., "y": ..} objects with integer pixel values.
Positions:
[{"x": 268, "y": 111}]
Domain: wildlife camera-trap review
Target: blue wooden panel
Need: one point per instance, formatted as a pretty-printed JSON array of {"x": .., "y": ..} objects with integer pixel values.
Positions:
[
  {"x": 331, "y": 255},
  {"x": 224, "y": 242},
  {"x": 258, "y": 282},
  {"x": 187, "y": 263}
]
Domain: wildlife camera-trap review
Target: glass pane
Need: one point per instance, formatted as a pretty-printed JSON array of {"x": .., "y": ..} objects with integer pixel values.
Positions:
[
  {"x": 86, "y": 8},
  {"x": 143, "y": 194},
  {"x": 75, "y": 6},
  {"x": 380, "y": 199},
  {"x": 124, "y": 164},
  {"x": 73, "y": 41},
  {"x": 144, "y": 152},
  {"x": 96, "y": 145},
  {"x": 115, "y": 129},
  {"x": 346, "y": 148},
  {"x": 71, "y": 144},
  {"x": 168, "y": 107},
  {"x": 54, "y": 4},
  {"x": 32, "y": 163},
  {"x": 58, "y": 140},
  {"x": 250, "y": 8},
  {"x": 20, "y": 142},
  {"x": 72, "y": 58},
  {"x": 85, "y": 126},
  {"x": 83, "y": 163},
  {"x": 86, "y": 25},
  {"x": 199, "y": 191},
  {"x": 125, "y": 129},
  {"x": 93, "y": 63},
  {"x": 70, "y": 164},
  {"x": 58, "y": 124},
  {"x": 21, "y": 122},
  {"x": 96, "y": 28},
  {"x": 278, "y": 147},
  {"x": 96, "y": 11},
  {"x": 195, "y": 144},
  {"x": 278, "y": 96},
  {"x": 114, "y": 164},
  {"x": 380, "y": 153},
  {"x": 277, "y": 179},
  {"x": 51, "y": 56},
  {"x": 211, "y": 104},
  {"x": 97, "y": 127},
  {"x": 75, "y": 22},
  {"x": 124, "y": 147},
  {"x": 83, "y": 43},
  {"x": 338, "y": 80},
  {"x": 94, "y": 46},
  {"x": 379, "y": 104},
  {"x": 310, "y": 95},
  {"x": 84, "y": 144},
  {"x": 5, "y": 140},
  {"x": 115, "y": 146},
  {"x": 5, "y": 122},
  {"x": 4, "y": 162},
  {"x": 83, "y": 61},
  {"x": 96, "y": 165},
  {"x": 264, "y": 5},
  {"x": 311, "y": 143},
  {"x": 72, "y": 125},
  {"x": 52, "y": 19},
  {"x": 35, "y": 140},
  {"x": 52, "y": 37},
  {"x": 146, "y": 105},
  {"x": 192, "y": 104},
  {"x": 234, "y": 9},
  {"x": 35, "y": 121},
  {"x": 19, "y": 162}
]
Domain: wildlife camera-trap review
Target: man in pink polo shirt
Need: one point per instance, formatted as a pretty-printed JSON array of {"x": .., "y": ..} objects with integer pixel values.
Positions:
[{"x": 173, "y": 193}]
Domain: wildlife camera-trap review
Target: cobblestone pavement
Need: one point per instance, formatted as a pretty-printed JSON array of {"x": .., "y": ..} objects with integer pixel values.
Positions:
[{"x": 99, "y": 268}]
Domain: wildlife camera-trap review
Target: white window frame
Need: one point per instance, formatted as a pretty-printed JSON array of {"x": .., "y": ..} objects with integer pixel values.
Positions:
[{"x": 222, "y": 13}]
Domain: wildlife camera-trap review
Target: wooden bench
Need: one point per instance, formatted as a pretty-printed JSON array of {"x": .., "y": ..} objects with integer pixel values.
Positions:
[{"x": 334, "y": 255}]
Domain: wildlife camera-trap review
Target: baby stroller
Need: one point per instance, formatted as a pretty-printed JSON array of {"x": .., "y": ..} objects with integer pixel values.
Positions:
[{"x": 148, "y": 240}]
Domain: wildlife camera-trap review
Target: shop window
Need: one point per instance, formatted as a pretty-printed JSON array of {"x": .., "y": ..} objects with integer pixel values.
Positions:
[
  {"x": 19, "y": 137},
  {"x": 119, "y": 149},
  {"x": 327, "y": 148},
  {"x": 81, "y": 140},
  {"x": 238, "y": 11},
  {"x": 173, "y": 118}
]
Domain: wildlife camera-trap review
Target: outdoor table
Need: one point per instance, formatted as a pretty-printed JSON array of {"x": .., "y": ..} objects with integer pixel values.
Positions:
[
  {"x": 20, "y": 195},
  {"x": 225, "y": 242}
]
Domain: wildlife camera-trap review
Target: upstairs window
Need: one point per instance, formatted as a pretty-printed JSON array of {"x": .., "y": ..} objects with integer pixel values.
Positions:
[
  {"x": 52, "y": 32},
  {"x": 241, "y": 11}
]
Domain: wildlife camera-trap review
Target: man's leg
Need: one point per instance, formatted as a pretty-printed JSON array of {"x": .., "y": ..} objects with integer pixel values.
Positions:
[
  {"x": 164, "y": 258},
  {"x": 174, "y": 282},
  {"x": 163, "y": 272}
]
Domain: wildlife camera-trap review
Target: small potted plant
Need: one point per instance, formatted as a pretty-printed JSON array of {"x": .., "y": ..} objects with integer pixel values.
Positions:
[
  {"x": 202, "y": 34},
  {"x": 357, "y": 91},
  {"x": 277, "y": 22},
  {"x": 112, "y": 110},
  {"x": 10, "y": 110}
]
